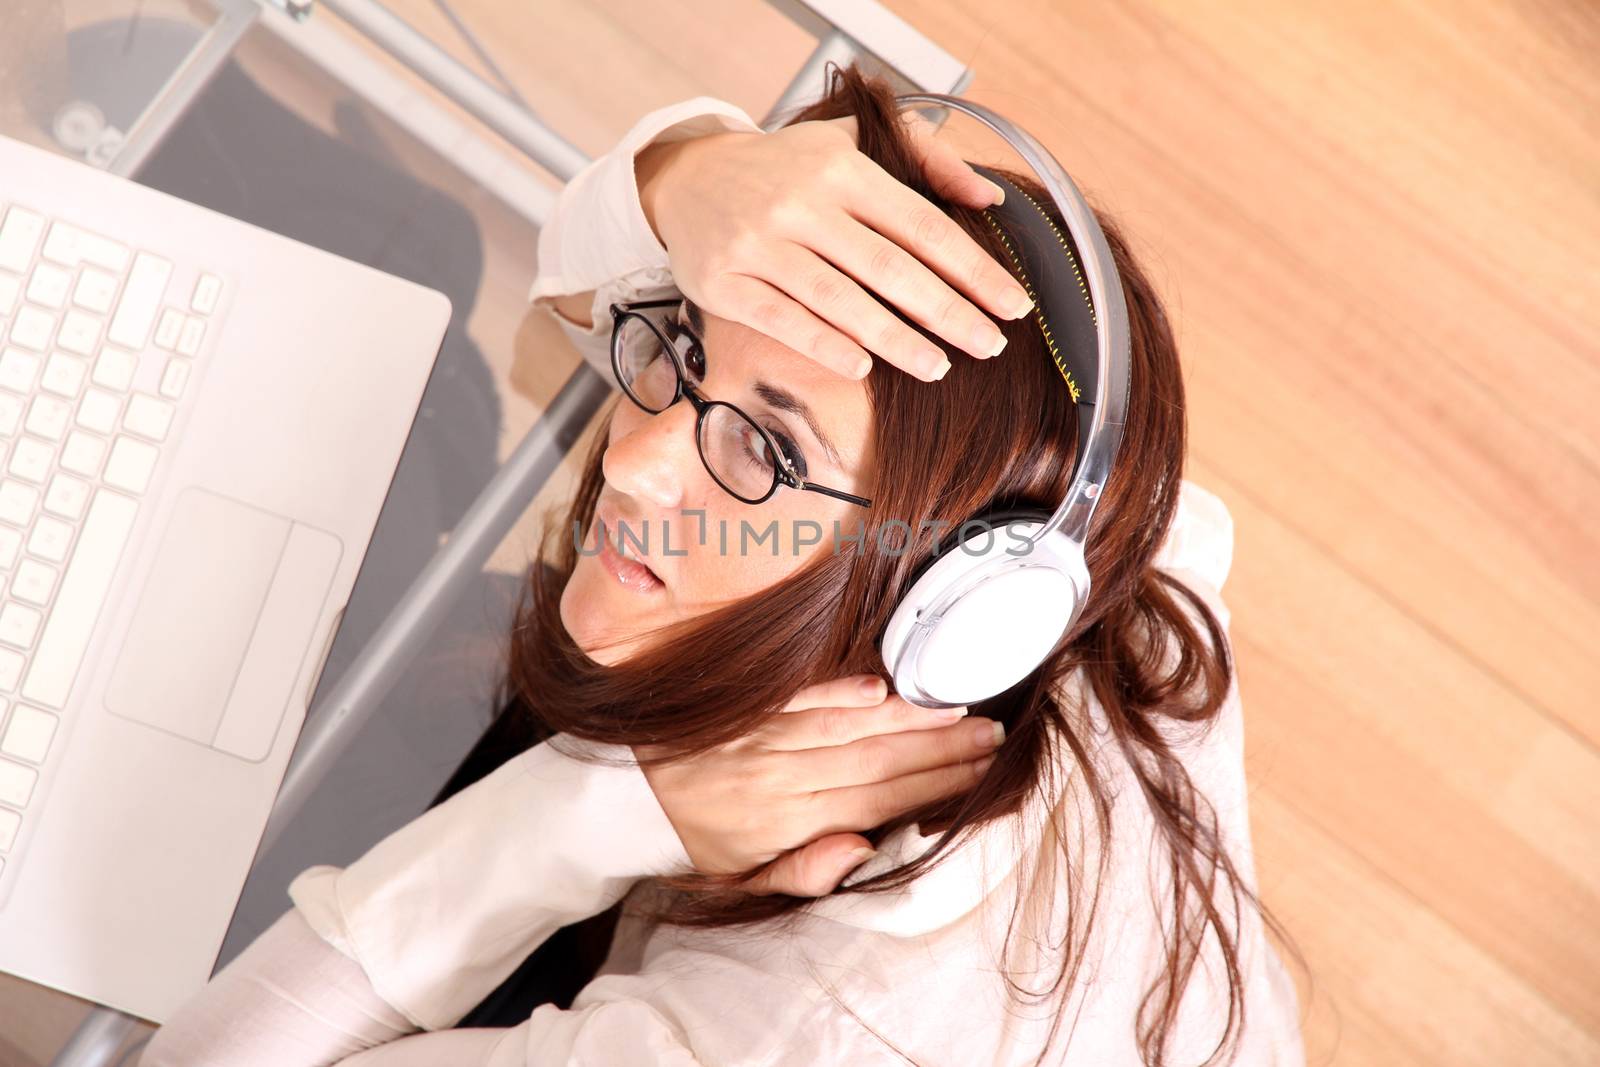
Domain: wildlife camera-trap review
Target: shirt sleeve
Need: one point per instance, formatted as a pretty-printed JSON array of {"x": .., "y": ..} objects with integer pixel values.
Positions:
[
  {"x": 1199, "y": 546},
  {"x": 288, "y": 1000},
  {"x": 597, "y": 236},
  {"x": 634, "y": 1032},
  {"x": 441, "y": 911}
]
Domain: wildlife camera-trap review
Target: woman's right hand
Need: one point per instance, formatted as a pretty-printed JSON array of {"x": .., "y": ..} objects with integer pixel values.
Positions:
[
  {"x": 793, "y": 795},
  {"x": 772, "y": 230}
]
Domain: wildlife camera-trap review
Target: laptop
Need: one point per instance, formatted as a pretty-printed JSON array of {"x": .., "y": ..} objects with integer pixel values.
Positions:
[{"x": 199, "y": 423}]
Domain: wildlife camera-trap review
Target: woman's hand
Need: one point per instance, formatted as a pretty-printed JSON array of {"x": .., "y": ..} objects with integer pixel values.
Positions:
[
  {"x": 775, "y": 230},
  {"x": 793, "y": 793}
]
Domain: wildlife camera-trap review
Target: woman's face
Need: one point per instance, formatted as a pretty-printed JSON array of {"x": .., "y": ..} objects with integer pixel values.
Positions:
[{"x": 703, "y": 547}]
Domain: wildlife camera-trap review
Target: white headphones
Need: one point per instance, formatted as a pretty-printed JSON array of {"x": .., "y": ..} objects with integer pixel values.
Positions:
[{"x": 998, "y": 594}]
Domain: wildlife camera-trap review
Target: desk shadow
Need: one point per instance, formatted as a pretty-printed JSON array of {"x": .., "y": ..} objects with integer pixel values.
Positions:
[{"x": 239, "y": 151}]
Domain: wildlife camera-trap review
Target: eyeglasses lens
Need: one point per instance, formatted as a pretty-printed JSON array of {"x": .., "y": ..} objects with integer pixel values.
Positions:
[
  {"x": 733, "y": 449},
  {"x": 737, "y": 454},
  {"x": 645, "y": 367}
]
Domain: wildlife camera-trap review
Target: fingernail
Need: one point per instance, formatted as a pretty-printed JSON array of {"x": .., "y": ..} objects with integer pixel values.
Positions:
[
  {"x": 1019, "y": 302},
  {"x": 864, "y": 367},
  {"x": 982, "y": 766},
  {"x": 874, "y": 687},
  {"x": 942, "y": 369},
  {"x": 856, "y": 857},
  {"x": 999, "y": 192},
  {"x": 949, "y": 714},
  {"x": 988, "y": 340},
  {"x": 989, "y": 734}
]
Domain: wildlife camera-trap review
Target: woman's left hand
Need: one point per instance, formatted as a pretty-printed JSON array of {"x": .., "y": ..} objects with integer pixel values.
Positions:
[
  {"x": 799, "y": 234},
  {"x": 794, "y": 793}
]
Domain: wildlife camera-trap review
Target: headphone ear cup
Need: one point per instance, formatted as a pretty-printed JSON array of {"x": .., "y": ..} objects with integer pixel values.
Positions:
[
  {"x": 974, "y": 622},
  {"x": 994, "y": 520}
]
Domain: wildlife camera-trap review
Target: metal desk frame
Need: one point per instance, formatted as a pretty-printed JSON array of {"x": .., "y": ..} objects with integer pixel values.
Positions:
[{"x": 846, "y": 31}]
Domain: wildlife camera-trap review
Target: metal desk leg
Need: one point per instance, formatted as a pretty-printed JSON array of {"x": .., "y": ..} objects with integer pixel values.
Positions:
[
  {"x": 97, "y": 1039},
  {"x": 336, "y": 719},
  {"x": 234, "y": 17},
  {"x": 375, "y": 671}
]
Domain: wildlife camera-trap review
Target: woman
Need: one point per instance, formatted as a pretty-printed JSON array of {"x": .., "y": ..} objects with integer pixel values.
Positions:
[{"x": 1064, "y": 878}]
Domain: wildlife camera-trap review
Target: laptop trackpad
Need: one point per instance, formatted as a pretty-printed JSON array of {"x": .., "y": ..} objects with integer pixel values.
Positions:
[{"x": 222, "y": 623}]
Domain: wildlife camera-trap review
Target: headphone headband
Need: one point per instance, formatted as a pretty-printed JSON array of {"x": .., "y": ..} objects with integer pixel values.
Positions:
[
  {"x": 1046, "y": 261},
  {"x": 971, "y": 625},
  {"x": 1102, "y": 380}
]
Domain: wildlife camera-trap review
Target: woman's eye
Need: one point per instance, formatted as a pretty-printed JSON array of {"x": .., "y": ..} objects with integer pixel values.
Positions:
[
  {"x": 790, "y": 450},
  {"x": 759, "y": 456},
  {"x": 689, "y": 351}
]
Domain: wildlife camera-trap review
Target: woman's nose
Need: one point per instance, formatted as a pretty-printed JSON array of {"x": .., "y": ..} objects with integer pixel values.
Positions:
[{"x": 655, "y": 457}]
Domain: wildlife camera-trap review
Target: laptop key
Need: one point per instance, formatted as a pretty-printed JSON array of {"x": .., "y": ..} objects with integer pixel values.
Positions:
[
  {"x": 114, "y": 369},
  {"x": 168, "y": 328},
  {"x": 67, "y": 496},
  {"x": 48, "y": 418},
  {"x": 71, "y": 246},
  {"x": 97, "y": 411},
  {"x": 83, "y": 590},
  {"x": 189, "y": 340},
  {"x": 131, "y": 464},
  {"x": 16, "y": 783},
  {"x": 18, "y": 236},
  {"x": 63, "y": 375},
  {"x": 10, "y": 414},
  {"x": 96, "y": 291},
  {"x": 32, "y": 327},
  {"x": 17, "y": 370},
  {"x": 147, "y": 416},
  {"x": 33, "y": 582},
  {"x": 30, "y": 459},
  {"x": 174, "y": 378},
  {"x": 82, "y": 454},
  {"x": 51, "y": 539},
  {"x": 80, "y": 332},
  {"x": 206, "y": 292},
  {"x": 29, "y": 733},
  {"x": 10, "y": 669},
  {"x": 141, "y": 299},
  {"x": 64, "y": 245},
  {"x": 19, "y": 624},
  {"x": 17, "y": 502},
  {"x": 49, "y": 285}
]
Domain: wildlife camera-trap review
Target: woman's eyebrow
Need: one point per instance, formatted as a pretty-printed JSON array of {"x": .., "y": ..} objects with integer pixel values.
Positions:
[
  {"x": 696, "y": 319},
  {"x": 774, "y": 395},
  {"x": 783, "y": 400}
]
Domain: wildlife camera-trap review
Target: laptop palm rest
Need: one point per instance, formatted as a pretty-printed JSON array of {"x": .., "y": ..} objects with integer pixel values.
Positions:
[{"x": 223, "y": 623}]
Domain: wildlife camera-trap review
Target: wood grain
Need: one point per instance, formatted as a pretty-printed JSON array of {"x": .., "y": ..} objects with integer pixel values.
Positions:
[{"x": 1375, "y": 225}]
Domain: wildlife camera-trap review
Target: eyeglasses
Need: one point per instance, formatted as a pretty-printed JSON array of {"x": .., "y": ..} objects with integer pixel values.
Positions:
[{"x": 655, "y": 369}]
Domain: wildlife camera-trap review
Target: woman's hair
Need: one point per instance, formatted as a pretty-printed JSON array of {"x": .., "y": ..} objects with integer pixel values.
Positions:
[{"x": 945, "y": 452}]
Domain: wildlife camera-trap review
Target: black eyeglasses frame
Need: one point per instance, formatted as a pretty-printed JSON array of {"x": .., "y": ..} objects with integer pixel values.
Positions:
[{"x": 782, "y": 474}]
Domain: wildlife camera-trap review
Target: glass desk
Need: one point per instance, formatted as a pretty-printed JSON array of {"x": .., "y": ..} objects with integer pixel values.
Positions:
[
  {"x": 199, "y": 99},
  {"x": 108, "y": 96},
  {"x": 421, "y": 169}
]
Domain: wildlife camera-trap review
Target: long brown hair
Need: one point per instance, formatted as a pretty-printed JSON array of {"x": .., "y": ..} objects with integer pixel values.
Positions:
[{"x": 947, "y": 451}]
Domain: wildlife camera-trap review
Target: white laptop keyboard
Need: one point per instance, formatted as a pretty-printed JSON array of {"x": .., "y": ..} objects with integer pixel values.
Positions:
[{"x": 95, "y": 356}]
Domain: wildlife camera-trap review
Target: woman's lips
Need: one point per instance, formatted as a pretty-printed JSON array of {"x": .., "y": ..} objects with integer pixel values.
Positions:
[{"x": 630, "y": 573}]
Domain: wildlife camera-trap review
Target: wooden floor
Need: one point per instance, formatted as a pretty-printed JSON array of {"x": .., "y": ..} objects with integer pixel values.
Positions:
[{"x": 1376, "y": 226}]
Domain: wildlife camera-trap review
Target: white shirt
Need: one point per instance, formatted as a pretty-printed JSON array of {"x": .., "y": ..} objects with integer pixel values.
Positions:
[{"x": 430, "y": 920}]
